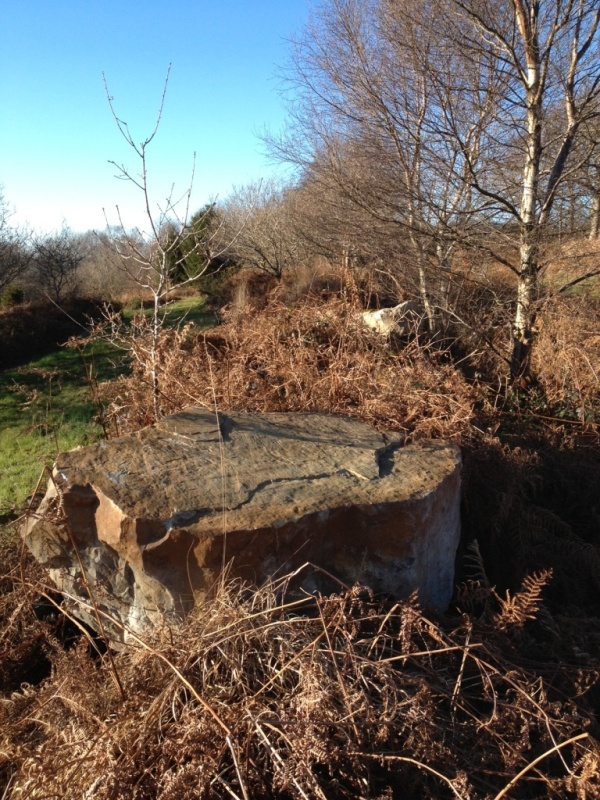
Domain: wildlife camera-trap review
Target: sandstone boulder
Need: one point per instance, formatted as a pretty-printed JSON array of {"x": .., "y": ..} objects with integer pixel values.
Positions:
[{"x": 155, "y": 515}]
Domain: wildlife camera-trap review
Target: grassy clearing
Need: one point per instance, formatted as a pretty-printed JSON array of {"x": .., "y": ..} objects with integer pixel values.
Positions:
[
  {"x": 48, "y": 405},
  {"x": 45, "y": 407},
  {"x": 187, "y": 309}
]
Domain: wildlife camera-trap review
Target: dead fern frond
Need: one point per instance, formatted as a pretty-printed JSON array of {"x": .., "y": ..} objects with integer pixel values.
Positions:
[
  {"x": 472, "y": 598},
  {"x": 474, "y": 594},
  {"x": 313, "y": 357},
  {"x": 474, "y": 565},
  {"x": 322, "y": 697},
  {"x": 523, "y": 606}
]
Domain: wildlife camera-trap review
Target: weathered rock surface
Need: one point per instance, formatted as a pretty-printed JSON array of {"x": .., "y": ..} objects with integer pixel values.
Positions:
[{"x": 156, "y": 514}]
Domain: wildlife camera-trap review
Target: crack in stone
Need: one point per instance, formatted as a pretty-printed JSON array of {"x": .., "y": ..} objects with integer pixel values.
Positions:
[
  {"x": 385, "y": 458},
  {"x": 183, "y": 519},
  {"x": 303, "y": 479}
]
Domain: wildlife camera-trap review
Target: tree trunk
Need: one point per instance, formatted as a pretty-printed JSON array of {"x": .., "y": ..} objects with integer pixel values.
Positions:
[
  {"x": 524, "y": 322},
  {"x": 444, "y": 267},
  {"x": 523, "y": 329},
  {"x": 423, "y": 288},
  {"x": 595, "y": 216}
]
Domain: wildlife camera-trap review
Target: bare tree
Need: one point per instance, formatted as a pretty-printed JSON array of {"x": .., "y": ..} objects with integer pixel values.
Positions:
[
  {"x": 15, "y": 250},
  {"x": 101, "y": 274},
  {"x": 56, "y": 262},
  {"x": 454, "y": 120},
  {"x": 260, "y": 224},
  {"x": 367, "y": 121},
  {"x": 157, "y": 259}
]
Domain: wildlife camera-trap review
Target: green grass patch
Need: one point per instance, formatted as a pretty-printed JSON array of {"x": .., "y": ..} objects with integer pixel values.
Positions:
[
  {"x": 47, "y": 406},
  {"x": 188, "y": 309}
]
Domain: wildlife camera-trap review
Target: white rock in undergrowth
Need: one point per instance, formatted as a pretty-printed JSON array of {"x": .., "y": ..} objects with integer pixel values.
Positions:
[{"x": 402, "y": 320}]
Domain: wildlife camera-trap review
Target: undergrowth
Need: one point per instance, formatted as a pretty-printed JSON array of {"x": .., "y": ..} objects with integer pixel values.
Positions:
[
  {"x": 567, "y": 358},
  {"x": 312, "y": 357},
  {"x": 265, "y": 695},
  {"x": 531, "y": 456},
  {"x": 317, "y": 356}
]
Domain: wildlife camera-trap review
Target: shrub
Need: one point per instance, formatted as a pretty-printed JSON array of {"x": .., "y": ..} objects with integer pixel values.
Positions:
[
  {"x": 314, "y": 357},
  {"x": 12, "y": 296}
]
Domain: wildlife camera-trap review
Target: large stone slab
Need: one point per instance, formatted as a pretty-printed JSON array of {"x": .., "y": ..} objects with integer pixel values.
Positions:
[{"x": 156, "y": 515}]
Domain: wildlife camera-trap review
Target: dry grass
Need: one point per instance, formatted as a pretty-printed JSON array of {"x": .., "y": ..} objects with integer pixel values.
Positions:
[
  {"x": 312, "y": 357},
  {"x": 268, "y": 696},
  {"x": 569, "y": 262},
  {"x": 567, "y": 356}
]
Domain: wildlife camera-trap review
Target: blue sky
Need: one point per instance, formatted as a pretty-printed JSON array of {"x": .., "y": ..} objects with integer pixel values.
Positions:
[{"x": 56, "y": 131}]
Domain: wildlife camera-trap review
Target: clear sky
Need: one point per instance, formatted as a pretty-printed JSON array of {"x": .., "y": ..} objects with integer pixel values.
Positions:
[{"x": 56, "y": 131}]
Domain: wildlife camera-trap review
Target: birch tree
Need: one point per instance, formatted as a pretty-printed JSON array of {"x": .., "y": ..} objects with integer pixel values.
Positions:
[
  {"x": 454, "y": 120},
  {"x": 548, "y": 54}
]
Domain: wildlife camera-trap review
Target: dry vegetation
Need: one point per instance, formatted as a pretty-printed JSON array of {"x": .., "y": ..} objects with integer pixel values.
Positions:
[
  {"x": 272, "y": 694},
  {"x": 309, "y": 357},
  {"x": 567, "y": 358},
  {"x": 432, "y": 164},
  {"x": 265, "y": 695}
]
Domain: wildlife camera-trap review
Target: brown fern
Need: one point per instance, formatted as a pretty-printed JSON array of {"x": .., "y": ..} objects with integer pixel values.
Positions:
[{"x": 515, "y": 611}]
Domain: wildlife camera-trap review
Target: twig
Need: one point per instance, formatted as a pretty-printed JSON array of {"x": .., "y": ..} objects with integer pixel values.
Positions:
[
  {"x": 221, "y": 458},
  {"x": 339, "y": 674},
  {"x": 460, "y": 672},
  {"x": 237, "y": 769},
  {"x": 585, "y": 277},
  {"x": 54, "y": 303},
  {"x": 227, "y": 787},
  {"x": 406, "y": 656},
  {"x": 537, "y": 760},
  {"x": 419, "y": 764},
  {"x": 280, "y": 763},
  {"x": 287, "y": 665}
]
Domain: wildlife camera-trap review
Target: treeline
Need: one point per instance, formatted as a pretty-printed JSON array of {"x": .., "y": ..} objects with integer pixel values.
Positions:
[
  {"x": 452, "y": 127},
  {"x": 442, "y": 148}
]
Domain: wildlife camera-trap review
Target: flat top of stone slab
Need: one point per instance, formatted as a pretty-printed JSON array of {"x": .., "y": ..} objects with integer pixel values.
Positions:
[{"x": 257, "y": 465}]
